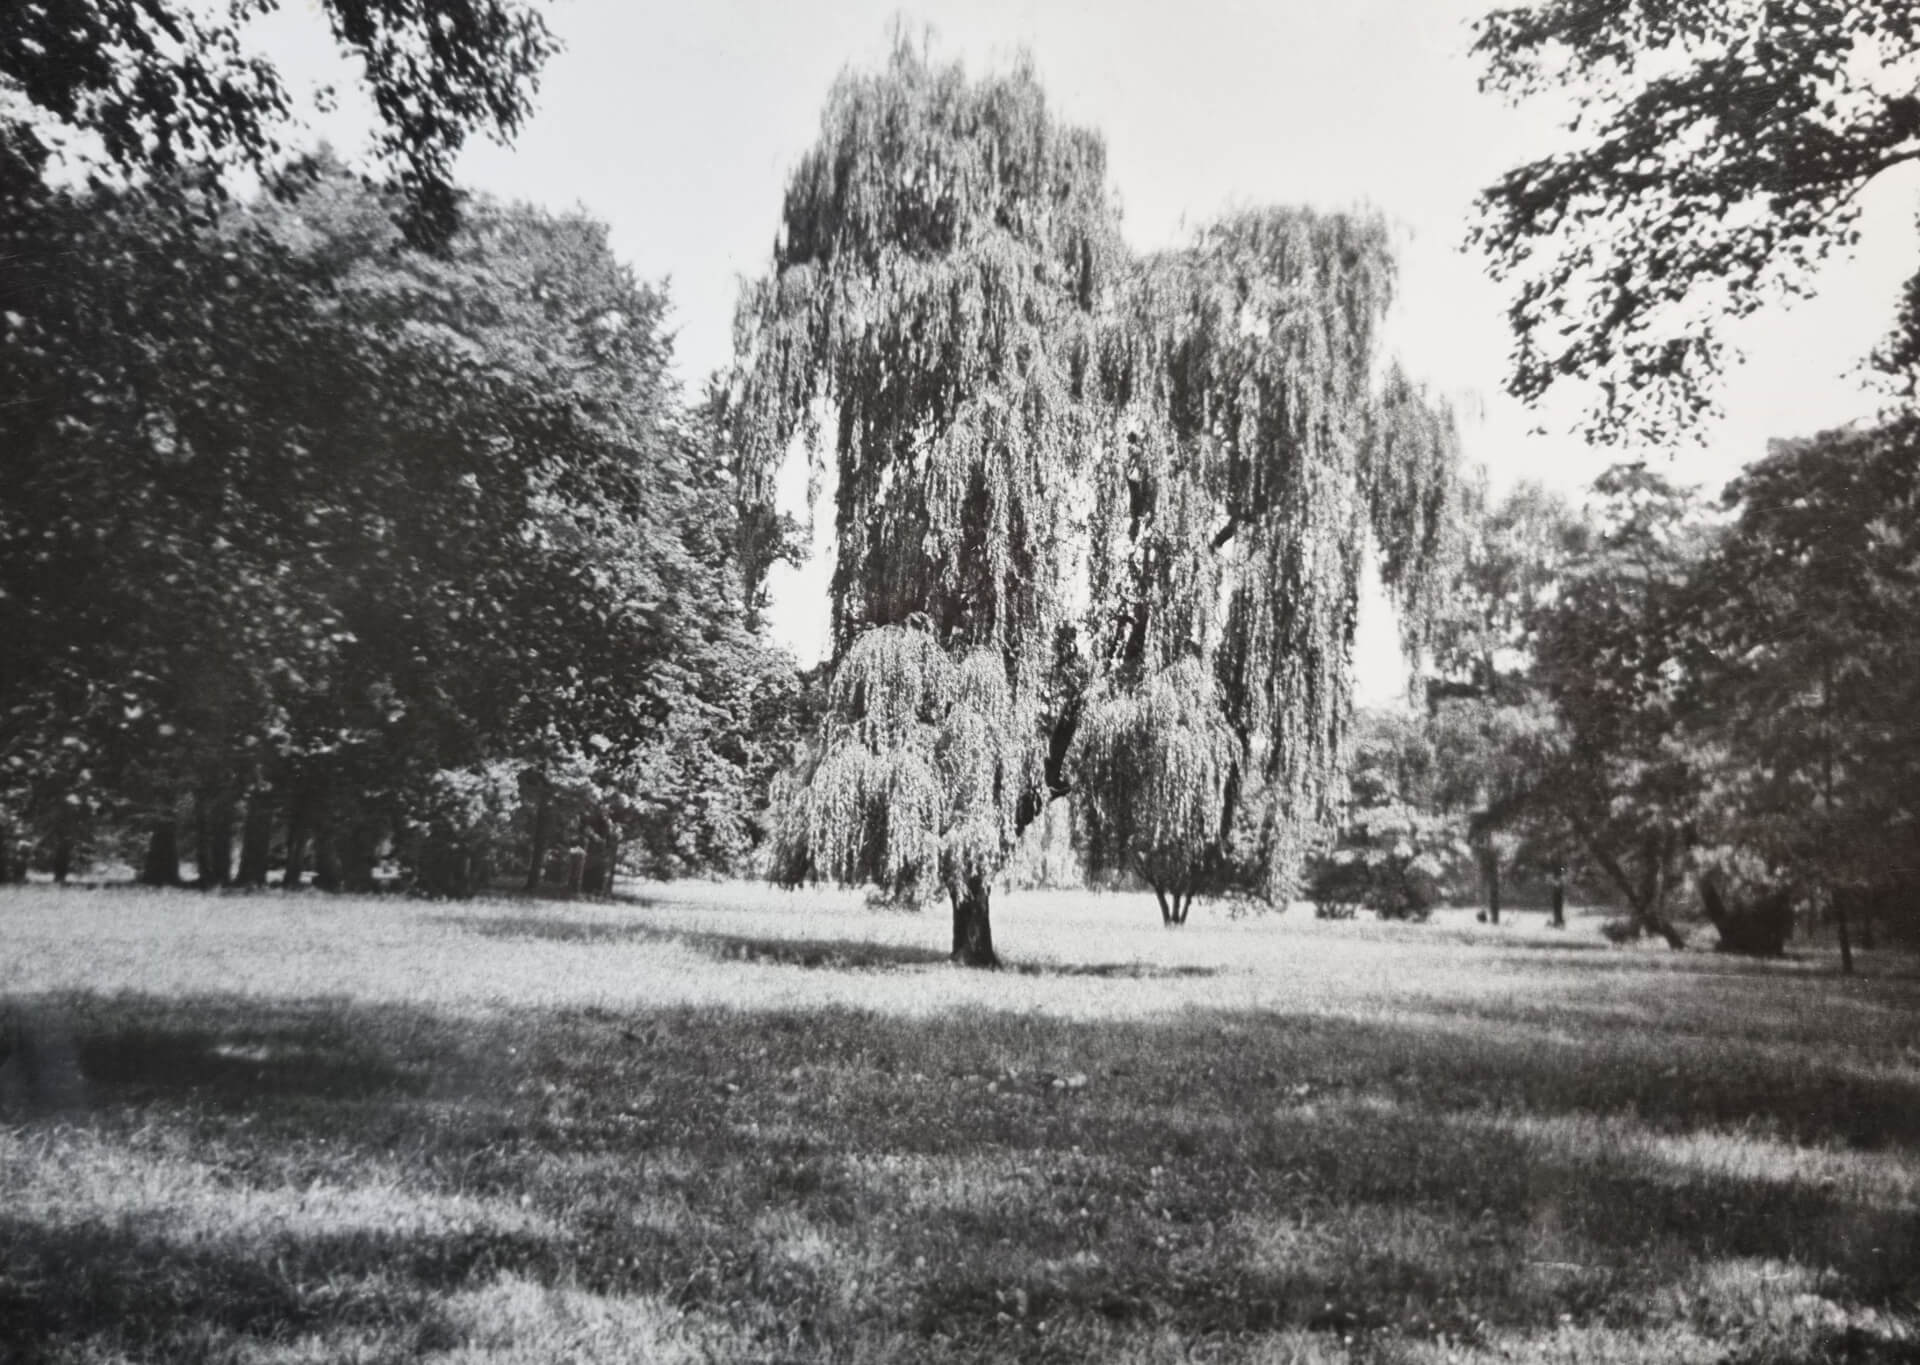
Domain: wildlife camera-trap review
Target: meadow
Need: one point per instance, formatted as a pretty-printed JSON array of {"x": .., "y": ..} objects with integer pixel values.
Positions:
[{"x": 720, "y": 1123}]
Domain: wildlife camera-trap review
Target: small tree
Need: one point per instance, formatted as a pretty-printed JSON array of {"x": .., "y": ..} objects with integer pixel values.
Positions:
[
  {"x": 1397, "y": 846},
  {"x": 1625, "y": 774}
]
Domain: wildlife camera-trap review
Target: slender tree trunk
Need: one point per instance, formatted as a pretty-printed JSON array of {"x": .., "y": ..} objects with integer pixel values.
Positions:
[
  {"x": 6, "y": 854},
  {"x": 542, "y": 840},
  {"x": 972, "y": 929},
  {"x": 1559, "y": 919},
  {"x": 1826, "y": 784},
  {"x": 1650, "y": 909},
  {"x": 212, "y": 841},
  {"x": 576, "y": 870},
  {"x": 1159, "y": 894},
  {"x": 162, "y": 865},
  {"x": 1653, "y": 907},
  {"x": 598, "y": 877},
  {"x": 256, "y": 841},
  {"x": 326, "y": 858},
  {"x": 361, "y": 853},
  {"x": 296, "y": 843},
  {"x": 62, "y": 857},
  {"x": 1490, "y": 872},
  {"x": 324, "y": 822},
  {"x": 610, "y": 869}
]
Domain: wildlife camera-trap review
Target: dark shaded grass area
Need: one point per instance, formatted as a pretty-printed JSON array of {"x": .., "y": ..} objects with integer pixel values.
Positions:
[
  {"x": 993, "y": 1186},
  {"x": 839, "y": 954}
]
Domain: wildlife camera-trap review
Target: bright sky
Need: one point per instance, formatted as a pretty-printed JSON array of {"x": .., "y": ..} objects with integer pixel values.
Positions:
[{"x": 678, "y": 124}]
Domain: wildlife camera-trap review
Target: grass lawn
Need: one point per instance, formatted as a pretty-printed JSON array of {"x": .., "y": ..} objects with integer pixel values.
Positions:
[{"x": 723, "y": 1123}]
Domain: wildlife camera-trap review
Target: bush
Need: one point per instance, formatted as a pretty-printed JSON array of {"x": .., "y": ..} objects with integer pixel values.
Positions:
[{"x": 1392, "y": 859}]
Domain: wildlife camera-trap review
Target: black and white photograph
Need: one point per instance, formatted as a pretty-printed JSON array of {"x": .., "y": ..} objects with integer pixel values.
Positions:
[{"x": 836, "y": 682}]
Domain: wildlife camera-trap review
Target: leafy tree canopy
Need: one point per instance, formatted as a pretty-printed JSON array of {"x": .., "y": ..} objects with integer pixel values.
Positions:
[
  {"x": 299, "y": 514},
  {"x": 156, "y": 87},
  {"x": 1720, "y": 148}
]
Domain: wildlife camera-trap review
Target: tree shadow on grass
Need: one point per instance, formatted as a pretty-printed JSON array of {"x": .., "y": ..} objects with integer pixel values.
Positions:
[
  {"x": 1128, "y": 971},
  {"x": 1218, "y": 1172},
  {"x": 239, "y": 1068},
  {"x": 547, "y": 929},
  {"x": 837, "y": 954},
  {"x": 159, "y": 1296},
  {"x": 834, "y": 954}
]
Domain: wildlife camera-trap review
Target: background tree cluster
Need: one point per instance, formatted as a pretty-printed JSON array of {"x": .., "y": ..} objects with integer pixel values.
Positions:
[
  {"x": 1697, "y": 711},
  {"x": 337, "y": 520},
  {"x": 1732, "y": 699}
]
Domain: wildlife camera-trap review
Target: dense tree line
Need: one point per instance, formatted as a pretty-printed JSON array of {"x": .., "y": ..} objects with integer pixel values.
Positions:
[
  {"x": 346, "y": 520},
  {"x": 1698, "y": 712},
  {"x": 311, "y": 532}
]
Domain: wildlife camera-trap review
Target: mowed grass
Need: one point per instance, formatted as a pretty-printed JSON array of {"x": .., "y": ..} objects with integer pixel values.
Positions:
[{"x": 722, "y": 1123}]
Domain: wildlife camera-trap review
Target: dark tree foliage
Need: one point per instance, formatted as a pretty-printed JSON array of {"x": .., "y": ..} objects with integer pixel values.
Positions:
[
  {"x": 1718, "y": 152},
  {"x": 139, "y": 88},
  {"x": 1623, "y": 775},
  {"x": 1809, "y": 661},
  {"x": 359, "y": 540}
]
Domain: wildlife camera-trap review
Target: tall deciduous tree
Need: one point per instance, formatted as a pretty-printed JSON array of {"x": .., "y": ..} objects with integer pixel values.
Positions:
[
  {"x": 1100, "y": 519},
  {"x": 1807, "y": 659},
  {"x": 1492, "y": 729},
  {"x": 1624, "y": 773},
  {"x": 1718, "y": 152},
  {"x": 303, "y": 517}
]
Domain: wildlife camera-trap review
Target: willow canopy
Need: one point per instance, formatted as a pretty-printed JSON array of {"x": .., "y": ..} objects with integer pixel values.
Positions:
[{"x": 1100, "y": 518}]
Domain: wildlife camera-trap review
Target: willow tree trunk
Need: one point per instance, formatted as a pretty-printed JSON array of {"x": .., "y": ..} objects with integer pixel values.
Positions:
[
  {"x": 972, "y": 930},
  {"x": 162, "y": 864}
]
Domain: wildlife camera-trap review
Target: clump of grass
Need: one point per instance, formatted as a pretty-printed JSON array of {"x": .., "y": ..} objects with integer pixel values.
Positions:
[{"x": 776, "y": 1129}]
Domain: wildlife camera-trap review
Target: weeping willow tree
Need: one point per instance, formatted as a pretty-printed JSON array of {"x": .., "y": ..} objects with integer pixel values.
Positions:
[
  {"x": 1228, "y": 537},
  {"x": 1100, "y": 519}
]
